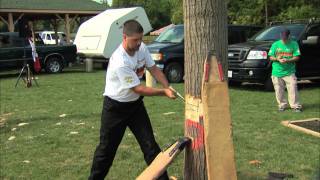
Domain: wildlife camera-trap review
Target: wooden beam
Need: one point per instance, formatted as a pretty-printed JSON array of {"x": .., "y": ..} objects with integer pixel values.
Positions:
[
  {"x": 4, "y": 20},
  {"x": 10, "y": 22},
  {"x": 16, "y": 21},
  {"x": 49, "y": 11},
  {"x": 74, "y": 18},
  {"x": 59, "y": 17},
  {"x": 67, "y": 27}
]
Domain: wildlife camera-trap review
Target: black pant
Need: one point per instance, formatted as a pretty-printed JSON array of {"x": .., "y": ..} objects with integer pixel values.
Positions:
[{"x": 116, "y": 116}]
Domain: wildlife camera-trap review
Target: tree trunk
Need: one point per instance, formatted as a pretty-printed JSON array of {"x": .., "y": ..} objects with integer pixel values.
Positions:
[
  {"x": 205, "y": 32},
  {"x": 266, "y": 11}
]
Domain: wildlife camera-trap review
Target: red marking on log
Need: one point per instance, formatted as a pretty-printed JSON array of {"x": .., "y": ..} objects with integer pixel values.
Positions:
[
  {"x": 206, "y": 72},
  {"x": 198, "y": 140},
  {"x": 221, "y": 74}
]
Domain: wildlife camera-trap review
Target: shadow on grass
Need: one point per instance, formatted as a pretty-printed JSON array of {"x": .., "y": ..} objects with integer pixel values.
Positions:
[
  {"x": 76, "y": 68},
  {"x": 250, "y": 176},
  {"x": 248, "y": 87},
  {"x": 312, "y": 107},
  {"x": 259, "y": 87}
]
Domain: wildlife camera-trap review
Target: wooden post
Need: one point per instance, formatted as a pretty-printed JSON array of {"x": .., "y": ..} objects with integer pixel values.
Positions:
[
  {"x": 205, "y": 31},
  {"x": 150, "y": 81},
  {"x": 10, "y": 22},
  {"x": 89, "y": 64},
  {"x": 67, "y": 27},
  {"x": 30, "y": 24},
  {"x": 55, "y": 28}
]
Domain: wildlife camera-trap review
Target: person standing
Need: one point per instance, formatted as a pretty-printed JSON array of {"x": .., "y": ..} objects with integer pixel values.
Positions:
[
  {"x": 284, "y": 54},
  {"x": 123, "y": 105}
]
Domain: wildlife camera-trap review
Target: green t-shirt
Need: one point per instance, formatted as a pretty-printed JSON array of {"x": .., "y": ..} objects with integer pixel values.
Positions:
[{"x": 286, "y": 51}]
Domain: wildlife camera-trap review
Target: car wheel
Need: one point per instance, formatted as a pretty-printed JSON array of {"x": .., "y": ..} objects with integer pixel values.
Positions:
[
  {"x": 174, "y": 72},
  {"x": 268, "y": 85},
  {"x": 54, "y": 65}
]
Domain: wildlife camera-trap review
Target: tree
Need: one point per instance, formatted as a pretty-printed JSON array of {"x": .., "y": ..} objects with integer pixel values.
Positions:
[
  {"x": 302, "y": 12},
  {"x": 176, "y": 12},
  {"x": 256, "y": 12},
  {"x": 159, "y": 12},
  {"x": 205, "y": 31}
]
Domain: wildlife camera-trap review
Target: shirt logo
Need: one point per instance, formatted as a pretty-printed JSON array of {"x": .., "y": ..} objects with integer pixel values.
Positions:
[{"x": 128, "y": 79}]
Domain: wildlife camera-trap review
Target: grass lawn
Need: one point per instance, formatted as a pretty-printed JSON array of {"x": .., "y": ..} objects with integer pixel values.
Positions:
[{"x": 46, "y": 149}]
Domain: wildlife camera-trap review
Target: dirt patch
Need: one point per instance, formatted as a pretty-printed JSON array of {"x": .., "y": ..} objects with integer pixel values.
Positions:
[
  {"x": 313, "y": 125},
  {"x": 309, "y": 126},
  {"x": 4, "y": 118}
]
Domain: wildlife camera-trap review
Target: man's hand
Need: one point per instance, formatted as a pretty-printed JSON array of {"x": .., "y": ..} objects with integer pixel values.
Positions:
[
  {"x": 169, "y": 93},
  {"x": 282, "y": 61}
]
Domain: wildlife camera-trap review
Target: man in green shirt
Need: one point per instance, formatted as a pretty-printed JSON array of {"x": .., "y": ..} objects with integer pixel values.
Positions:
[{"x": 284, "y": 54}]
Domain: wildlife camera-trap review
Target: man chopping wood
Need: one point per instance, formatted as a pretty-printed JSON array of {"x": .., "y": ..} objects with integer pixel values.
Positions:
[{"x": 123, "y": 105}]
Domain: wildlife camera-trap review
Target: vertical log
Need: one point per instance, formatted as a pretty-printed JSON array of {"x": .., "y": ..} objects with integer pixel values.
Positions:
[
  {"x": 150, "y": 81},
  {"x": 67, "y": 27},
  {"x": 205, "y": 31},
  {"x": 55, "y": 28}
]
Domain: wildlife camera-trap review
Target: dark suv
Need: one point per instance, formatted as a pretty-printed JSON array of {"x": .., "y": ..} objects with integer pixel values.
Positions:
[
  {"x": 248, "y": 62},
  {"x": 168, "y": 49}
]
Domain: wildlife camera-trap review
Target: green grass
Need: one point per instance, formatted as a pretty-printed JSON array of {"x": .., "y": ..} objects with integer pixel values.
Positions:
[{"x": 54, "y": 153}]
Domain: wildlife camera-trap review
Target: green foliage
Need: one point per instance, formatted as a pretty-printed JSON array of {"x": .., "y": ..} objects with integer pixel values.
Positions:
[
  {"x": 304, "y": 11},
  {"x": 177, "y": 11},
  {"x": 158, "y": 11},
  {"x": 254, "y": 12}
]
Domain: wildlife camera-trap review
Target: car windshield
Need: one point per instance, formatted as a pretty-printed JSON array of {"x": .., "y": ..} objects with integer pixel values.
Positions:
[
  {"x": 53, "y": 35},
  {"x": 171, "y": 35},
  {"x": 273, "y": 33}
]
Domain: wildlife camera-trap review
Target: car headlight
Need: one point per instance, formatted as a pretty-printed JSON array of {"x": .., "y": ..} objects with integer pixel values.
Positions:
[
  {"x": 157, "y": 56},
  {"x": 257, "y": 55}
]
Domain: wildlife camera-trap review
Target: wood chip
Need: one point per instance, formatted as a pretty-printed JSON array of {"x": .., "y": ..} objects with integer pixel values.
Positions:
[
  {"x": 168, "y": 113},
  {"x": 13, "y": 129},
  {"x": 74, "y": 132},
  {"x": 173, "y": 178},
  {"x": 58, "y": 124},
  {"x": 255, "y": 162},
  {"x": 62, "y": 115},
  {"x": 26, "y": 161},
  {"x": 22, "y": 124},
  {"x": 11, "y": 138}
]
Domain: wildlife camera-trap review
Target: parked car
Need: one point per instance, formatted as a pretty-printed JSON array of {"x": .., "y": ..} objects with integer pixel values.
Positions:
[
  {"x": 49, "y": 37},
  {"x": 168, "y": 49},
  {"x": 248, "y": 62},
  {"x": 15, "y": 51}
]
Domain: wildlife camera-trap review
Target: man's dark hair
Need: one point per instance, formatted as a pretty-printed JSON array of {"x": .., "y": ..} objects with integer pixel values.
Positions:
[
  {"x": 132, "y": 26},
  {"x": 285, "y": 33}
]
